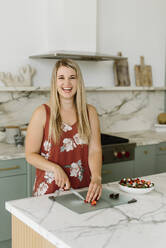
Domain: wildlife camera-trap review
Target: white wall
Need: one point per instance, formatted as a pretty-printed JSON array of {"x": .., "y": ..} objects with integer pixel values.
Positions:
[
  {"x": 21, "y": 32},
  {"x": 135, "y": 27},
  {"x": 72, "y": 25}
]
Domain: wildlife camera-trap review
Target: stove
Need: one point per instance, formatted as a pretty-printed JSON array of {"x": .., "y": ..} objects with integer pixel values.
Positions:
[{"x": 116, "y": 149}]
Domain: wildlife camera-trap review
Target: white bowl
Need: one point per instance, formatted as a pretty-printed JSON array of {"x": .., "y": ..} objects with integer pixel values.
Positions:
[{"x": 135, "y": 190}]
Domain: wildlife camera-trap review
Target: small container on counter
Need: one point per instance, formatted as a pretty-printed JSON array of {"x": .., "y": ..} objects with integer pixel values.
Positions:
[
  {"x": 11, "y": 131},
  {"x": 19, "y": 140},
  {"x": 23, "y": 129}
]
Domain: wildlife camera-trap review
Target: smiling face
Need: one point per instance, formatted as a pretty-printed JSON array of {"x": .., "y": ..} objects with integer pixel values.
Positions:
[{"x": 66, "y": 81}]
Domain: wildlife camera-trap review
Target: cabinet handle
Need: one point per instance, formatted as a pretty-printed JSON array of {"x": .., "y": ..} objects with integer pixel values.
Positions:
[
  {"x": 10, "y": 168},
  {"x": 106, "y": 172},
  {"x": 146, "y": 152},
  {"x": 162, "y": 148}
]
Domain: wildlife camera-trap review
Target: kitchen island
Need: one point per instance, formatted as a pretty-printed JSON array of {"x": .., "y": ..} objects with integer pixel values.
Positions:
[{"x": 40, "y": 222}]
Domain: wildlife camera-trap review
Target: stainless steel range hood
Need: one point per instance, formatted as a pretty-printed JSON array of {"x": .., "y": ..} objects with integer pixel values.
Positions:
[{"x": 77, "y": 56}]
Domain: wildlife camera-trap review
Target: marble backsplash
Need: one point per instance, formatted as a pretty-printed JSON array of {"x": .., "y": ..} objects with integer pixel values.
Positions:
[{"x": 119, "y": 111}]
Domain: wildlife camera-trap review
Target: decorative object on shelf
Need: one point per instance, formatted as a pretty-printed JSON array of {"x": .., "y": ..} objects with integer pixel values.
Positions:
[
  {"x": 161, "y": 118},
  {"x": 161, "y": 126},
  {"x": 24, "y": 78},
  {"x": 121, "y": 72},
  {"x": 143, "y": 74}
]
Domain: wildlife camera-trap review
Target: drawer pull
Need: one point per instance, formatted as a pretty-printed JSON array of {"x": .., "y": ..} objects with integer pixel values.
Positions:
[
  {"x": 106, "y": 172},
  {"x": 10, "y": 168},
  {"x": 162, "y": 148},
  {"x": 145, "y": 152}
]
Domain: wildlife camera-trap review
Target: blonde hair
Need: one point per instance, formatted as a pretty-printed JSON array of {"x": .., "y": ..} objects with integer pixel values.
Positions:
[{"x": 55, "y": 124}]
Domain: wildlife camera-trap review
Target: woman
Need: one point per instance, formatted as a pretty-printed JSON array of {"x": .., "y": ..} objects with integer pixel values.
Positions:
[{"x": 63, "y": 137}]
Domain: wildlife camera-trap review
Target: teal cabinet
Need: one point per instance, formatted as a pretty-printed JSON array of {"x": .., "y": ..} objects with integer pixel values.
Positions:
[
  {"x": 6, "y": 244},
  {"x": 115, "y": 171},
  {"x": 145, "y": 160},
  {"x": 13, "y": 185},
  {"x": 161, "y": 157},
  {"x": 143, "y": 165},
  {"x": 30, "y": 178}
]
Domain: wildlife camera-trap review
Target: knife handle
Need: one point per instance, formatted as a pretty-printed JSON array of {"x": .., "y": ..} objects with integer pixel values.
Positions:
[{"x": 132, "y": 201}]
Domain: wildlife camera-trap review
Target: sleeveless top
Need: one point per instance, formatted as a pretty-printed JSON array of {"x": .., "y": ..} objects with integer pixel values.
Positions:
[{"x": 70, "y": 153}]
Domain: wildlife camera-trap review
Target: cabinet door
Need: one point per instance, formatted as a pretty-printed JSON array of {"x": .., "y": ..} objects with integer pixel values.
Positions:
[
  {"x": 161, "y": 148},
  {"x": 12, "y": 167},
  {"x": 161, "y": 158},
  {"x": 6, "y": 244},
  {"x": 161, "y": 163},
  {"x": 144, "y": 160},
  {"x": 115, "y": 171},
  {"x": 31, "y": 178},
  {"x": 11, "y": 188}
]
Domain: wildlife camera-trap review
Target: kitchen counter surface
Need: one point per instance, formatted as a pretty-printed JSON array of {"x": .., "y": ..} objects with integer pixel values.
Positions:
[
  {"x": 140, "y": 224},
  {"x": 146, "y": 137},
  {"x": 10, "y": 151}
]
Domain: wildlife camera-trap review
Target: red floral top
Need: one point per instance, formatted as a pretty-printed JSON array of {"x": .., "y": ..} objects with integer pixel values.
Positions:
[{"x": 71, "y": 154}]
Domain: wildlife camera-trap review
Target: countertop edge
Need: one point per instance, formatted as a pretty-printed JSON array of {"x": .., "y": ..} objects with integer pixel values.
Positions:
[{"x": 36, "y": 227}]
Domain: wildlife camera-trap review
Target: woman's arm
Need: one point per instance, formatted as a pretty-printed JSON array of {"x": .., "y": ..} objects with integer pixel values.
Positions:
[
  {"x": 95, "y": 156},
  {"x": 33, "y": 142}
]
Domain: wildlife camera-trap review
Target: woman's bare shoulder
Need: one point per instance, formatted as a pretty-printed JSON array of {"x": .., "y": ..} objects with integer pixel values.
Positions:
[
  {"x": 40, "y": 110},
  {"x": 39, "y": 114},
  {"x": 91, "y": 109}
]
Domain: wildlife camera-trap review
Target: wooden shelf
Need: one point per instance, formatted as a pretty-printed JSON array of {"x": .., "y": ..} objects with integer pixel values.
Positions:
[
  {"x": 127, "y": 88},
  {"x": 15, "y": 89},
  {"x": 88, "y": 89},
  {"x": 85, "y": 56}
]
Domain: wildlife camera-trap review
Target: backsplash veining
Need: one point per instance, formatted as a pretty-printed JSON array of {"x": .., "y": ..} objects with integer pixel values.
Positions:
[{"x": 119, "y": 111}]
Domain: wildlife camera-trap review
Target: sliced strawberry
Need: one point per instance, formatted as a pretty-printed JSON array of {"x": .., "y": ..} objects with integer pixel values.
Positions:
[{"x": 93, "y": 203}]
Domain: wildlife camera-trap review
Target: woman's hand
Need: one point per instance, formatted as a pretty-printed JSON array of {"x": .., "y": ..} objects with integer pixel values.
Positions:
[
  {"x": 95, "y": 189},
  {"x": 61, "y": 178}
]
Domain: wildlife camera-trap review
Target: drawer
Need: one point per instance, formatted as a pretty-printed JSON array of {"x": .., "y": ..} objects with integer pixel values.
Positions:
[
  {"x": 12, "y": 167},
  {"x": 11, "y": 188},
  {"x": 161, "y": 163},
  {"x": 116, "y": 171},
  {"x": 161, "y": 148},
  {"x": 145, "y": 160}
]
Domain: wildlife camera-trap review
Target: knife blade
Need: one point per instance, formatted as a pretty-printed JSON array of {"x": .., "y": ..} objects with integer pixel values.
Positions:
[{"x": 77, "y": 194}]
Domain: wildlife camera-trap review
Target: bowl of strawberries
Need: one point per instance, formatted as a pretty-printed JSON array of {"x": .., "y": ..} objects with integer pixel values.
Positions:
[{"x": 136, "y": 185}]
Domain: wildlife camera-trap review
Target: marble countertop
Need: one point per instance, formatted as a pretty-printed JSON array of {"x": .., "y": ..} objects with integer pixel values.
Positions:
[
  {"x": 10, "y": 151},
  {"x": 140, "y": 224},
  {"x": 146, "y": 137}
]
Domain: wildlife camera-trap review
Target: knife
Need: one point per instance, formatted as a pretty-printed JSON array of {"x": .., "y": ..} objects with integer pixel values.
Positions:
[{"x": 77, "y": 194}]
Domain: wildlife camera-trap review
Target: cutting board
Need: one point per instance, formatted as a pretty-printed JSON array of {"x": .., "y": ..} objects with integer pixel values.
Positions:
[
  {"x": 143, "y": 74},
  {"x": 121, "y": 72},
  {"x": 77, "y": 205}
]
